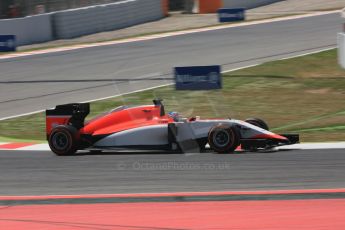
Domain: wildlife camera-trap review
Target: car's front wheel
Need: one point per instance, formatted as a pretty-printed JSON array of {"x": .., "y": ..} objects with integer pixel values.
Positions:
[
  {"x": 224, "y": 138},
  {"x": 63, "y": 140},
  {"x": 258, "y": 122}
]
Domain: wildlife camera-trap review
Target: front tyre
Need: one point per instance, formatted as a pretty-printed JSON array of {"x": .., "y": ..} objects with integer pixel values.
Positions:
[
  {"x": 63, "y": 140},
  {"x": 258, "y": 122},
  {"x": 224, "y": 138}
]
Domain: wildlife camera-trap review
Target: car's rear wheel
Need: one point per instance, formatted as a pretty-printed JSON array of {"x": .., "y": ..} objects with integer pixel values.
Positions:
[
  {"x": 63, "y": 140},
  {"x": 224, "y": 138},
  {"x": 258, "y": 122}
]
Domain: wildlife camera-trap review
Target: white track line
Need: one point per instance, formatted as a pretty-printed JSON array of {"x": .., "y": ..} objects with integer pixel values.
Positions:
[
  {"x": 240, "y": 68},
  {"x": 156, "y": 87},
  {"x": 305, "y": 54},
  {"x": 162, "y": 35},
  {"x": 21, "y": 115},
  {"x": 124, "y": 94},
  {"x": 36, "y": 147},
  {"x": 116, "y": 95},
  {"x": 169, "y": 35},
  {"x": 94, "y": 100}
]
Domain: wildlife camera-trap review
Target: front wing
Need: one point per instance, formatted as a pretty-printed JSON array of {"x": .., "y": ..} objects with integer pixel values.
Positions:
[{"x": 255, "y": 144}]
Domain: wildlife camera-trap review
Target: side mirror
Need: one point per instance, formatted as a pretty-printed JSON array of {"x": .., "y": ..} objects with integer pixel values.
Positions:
[{"x": 158, "y": 102}]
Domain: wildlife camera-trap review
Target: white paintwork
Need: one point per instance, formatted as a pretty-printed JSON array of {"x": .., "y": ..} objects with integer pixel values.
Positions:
[
  {"x": 149, "y": 135},
  {"x": 200, "y": 129},
  {"x": 158, "y": 134}
]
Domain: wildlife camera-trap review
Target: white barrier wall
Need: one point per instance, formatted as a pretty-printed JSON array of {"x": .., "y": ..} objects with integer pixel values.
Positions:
[
  {"x": 28, "y": 30},
  {"x": 89, "y": 20},
  {"x": 248, "y": 4},
  {"x": 341, "y": 49},
  {"x": 82, "y": 21}
]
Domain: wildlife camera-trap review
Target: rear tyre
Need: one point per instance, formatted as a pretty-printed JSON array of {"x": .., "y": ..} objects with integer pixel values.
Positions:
[
  {"x": 224, "y": 138},
  {"x": 63, "y": 140},
  {"x": 257, "y": 122}
]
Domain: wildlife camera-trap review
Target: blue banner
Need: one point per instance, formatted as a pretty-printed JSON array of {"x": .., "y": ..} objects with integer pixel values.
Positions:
[
  {"x": 231, "y": 15},
  {"x": 198, "y": 78},
  {"x": 7, "y": 43}
]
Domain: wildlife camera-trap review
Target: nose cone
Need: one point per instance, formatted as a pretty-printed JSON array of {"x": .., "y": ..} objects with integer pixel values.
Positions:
[{"x": 270, "y": 135}]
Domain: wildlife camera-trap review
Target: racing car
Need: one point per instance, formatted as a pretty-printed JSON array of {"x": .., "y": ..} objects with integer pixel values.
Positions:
[{"x": 148, "y": 127}]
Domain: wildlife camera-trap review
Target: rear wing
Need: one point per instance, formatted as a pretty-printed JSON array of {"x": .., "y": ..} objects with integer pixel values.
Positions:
[{"x": 68, "y": 114}]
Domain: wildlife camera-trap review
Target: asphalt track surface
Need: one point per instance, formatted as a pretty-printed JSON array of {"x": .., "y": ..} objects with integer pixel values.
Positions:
[
  {"x": 42, "y": 173},
  {"x": 38, "y": 82}
]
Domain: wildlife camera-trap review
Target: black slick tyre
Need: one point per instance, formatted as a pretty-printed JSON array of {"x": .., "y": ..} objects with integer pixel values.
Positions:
[
  {"x": 63, "y": 140},
  {"x": 224, "y": 138},
  {"x": 258, "y": 122}
]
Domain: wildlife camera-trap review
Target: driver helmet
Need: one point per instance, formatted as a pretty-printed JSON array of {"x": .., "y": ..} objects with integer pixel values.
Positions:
[{"x": 174, "y": 115}]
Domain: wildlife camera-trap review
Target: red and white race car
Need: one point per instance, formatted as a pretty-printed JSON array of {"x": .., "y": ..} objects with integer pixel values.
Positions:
[{"x": 148, "y": 127}]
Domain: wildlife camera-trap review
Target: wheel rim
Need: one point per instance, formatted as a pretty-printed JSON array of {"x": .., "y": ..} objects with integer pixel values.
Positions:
[
  {"x": 221, "y": 138},
  {"x": 60, "y": 141}
]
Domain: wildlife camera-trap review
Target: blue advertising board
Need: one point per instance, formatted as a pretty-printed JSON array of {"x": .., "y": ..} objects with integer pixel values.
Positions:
[
  {"x": 231, "y": 15},
  {"x": 198, "y": 77},
  {"x": 7, "y": 43}
]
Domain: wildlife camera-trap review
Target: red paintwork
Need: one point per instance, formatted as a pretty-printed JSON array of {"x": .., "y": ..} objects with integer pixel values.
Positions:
[
  {"x": 53, "y": 121},
  {"x": 14, "y": 145},
  {"x": 239, "y": 215},
  {"x": 270, "y": 136},
  {"x": 126, "y": 119},
  {"x": 136, "y": 117}
]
